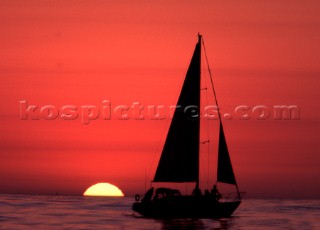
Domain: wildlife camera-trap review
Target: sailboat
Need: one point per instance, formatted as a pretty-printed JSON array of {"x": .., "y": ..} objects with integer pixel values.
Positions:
[{"x": 179, "y": 161}]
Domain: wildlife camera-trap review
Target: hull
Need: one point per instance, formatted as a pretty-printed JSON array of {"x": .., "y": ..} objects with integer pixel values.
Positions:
[{"x": 186, "y": 207}]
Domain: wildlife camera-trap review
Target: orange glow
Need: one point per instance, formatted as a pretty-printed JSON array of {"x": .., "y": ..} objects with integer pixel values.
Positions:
[
  {"x": 59, "y": 53},
  {"x": 103, "y": 189}
]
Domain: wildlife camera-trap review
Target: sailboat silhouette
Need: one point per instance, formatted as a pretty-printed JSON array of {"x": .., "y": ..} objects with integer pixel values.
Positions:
[{"x": 179, "y": 161}]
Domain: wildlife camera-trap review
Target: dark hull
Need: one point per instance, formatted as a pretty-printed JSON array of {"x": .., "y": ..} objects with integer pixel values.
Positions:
[{"x": 186, "y": 207}]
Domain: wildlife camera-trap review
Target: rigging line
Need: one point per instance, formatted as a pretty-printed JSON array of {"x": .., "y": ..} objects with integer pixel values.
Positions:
[
  {"x": 208, "y": 165},
  {"x": 159, "y": 144},
  {"x": 207, "y": 129},
  {"x": 205, "y": 171},
  {"x": 211, "y": 81},
  {"x": 203, "y": 161},
  {"x": 215, "y": 97},
  {"x": 214, "y": 92},
  {"x": 158, "y": 147}
]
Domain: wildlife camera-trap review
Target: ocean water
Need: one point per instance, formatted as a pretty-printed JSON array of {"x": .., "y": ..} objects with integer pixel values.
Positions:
[{"x": 71, "y": 212}]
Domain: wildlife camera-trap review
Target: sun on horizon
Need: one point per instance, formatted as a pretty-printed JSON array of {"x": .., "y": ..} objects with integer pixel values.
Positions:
[{"x": 103, "y": 189}]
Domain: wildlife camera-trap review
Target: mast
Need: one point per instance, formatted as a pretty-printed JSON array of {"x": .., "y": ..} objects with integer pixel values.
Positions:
[{"x": 199, "y": 43}]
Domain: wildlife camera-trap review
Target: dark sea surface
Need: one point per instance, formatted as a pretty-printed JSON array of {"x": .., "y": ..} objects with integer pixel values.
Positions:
[{"x": 71, "y": 212}]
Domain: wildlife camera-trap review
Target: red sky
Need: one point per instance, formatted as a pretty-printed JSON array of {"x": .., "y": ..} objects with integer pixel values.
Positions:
[{"x": 83, "y": 52}]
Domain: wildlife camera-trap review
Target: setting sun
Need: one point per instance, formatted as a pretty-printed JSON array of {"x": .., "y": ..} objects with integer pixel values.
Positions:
[{"x": 103, "y": 189}]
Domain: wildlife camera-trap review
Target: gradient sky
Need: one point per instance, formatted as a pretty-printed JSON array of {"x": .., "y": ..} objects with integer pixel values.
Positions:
[{"x": 83, "y": 52}]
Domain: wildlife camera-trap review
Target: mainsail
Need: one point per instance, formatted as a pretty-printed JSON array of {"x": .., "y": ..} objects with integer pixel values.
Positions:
[
  {"x": 179, "y": 160},
  {"x": 225, "y": 172}
]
